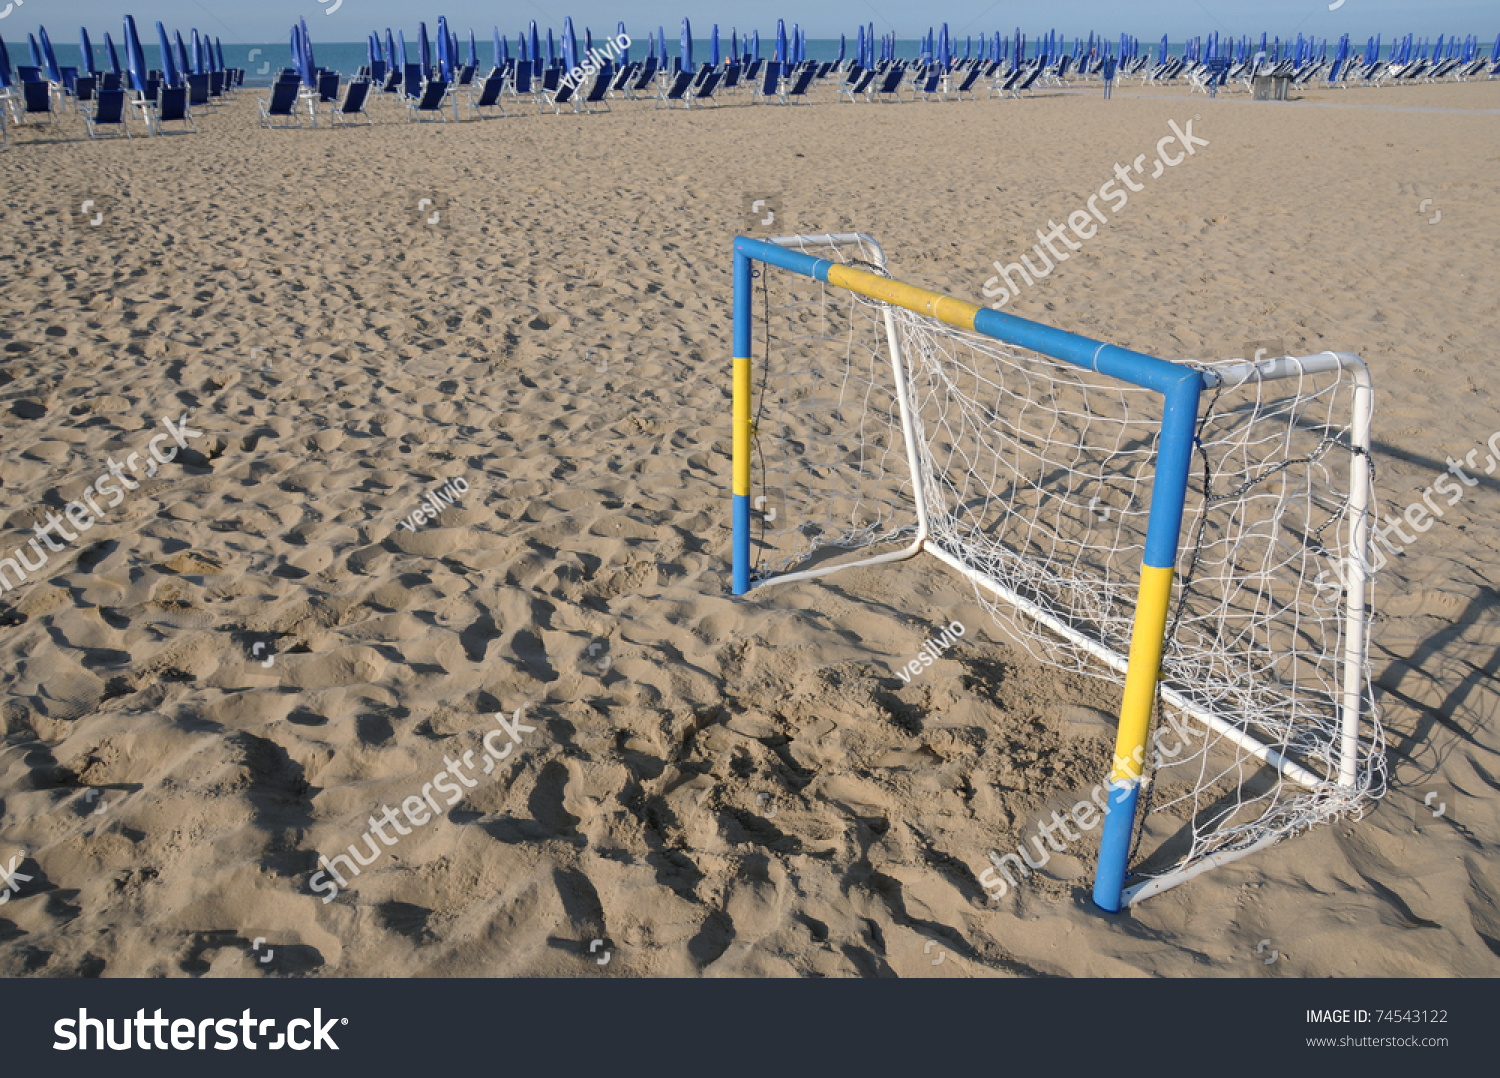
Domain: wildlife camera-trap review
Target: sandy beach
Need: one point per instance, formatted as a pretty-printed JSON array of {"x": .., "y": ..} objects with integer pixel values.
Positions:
[{"x": 255, "y": 649}]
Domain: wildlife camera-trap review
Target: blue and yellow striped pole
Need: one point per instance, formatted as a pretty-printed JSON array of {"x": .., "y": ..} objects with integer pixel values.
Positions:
[
  {"x": 741, "y": 458},
  {"x": 1180, "y": 388}
]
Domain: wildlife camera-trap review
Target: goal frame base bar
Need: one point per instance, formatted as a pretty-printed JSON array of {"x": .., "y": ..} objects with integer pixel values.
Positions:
[{"x": 1180, "y": 387}]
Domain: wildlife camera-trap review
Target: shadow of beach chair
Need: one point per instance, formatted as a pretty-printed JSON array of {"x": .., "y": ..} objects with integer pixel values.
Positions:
[
  {"x": 429, "y": 103},
  {"x": 172, "y": 107},
  {"x": 345, "y": 113},
  {"x": 281, "y": 106},
  {"x": 489, "y": 96},
  {"x": 109, "y": 111}
]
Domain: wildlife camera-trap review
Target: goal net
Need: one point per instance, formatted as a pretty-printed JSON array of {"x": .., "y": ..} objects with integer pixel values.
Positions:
[{"x": 879, "y": 432}]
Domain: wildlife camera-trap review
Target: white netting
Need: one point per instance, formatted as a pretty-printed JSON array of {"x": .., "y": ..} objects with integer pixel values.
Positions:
[{"x": 1037, "y": 479}]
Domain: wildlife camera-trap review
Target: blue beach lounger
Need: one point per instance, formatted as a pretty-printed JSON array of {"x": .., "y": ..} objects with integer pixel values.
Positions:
[
  {"x": 109, "y": 111},
  {"x": 431, "y": 102},
  {"x": 344, "y": 113},
  {"x": 282, "y": 106}
]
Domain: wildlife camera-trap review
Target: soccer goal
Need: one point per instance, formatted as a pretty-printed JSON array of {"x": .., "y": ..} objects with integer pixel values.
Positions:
[{"x": 1194, "y": 531}]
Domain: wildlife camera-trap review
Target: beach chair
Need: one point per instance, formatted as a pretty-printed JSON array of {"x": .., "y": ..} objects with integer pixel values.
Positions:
[
  {"x": 1025, "y": 85},
  {"x": 378, "y": 71},
  {"x": 622, "y": 78},
  {"x": 172, "y": 107},
  {"x": 411, "y": 81},
  {"x": 731, "y": 81},
  {"x": 888, "y": 89},
  {"x": 643, "y": 81},
  {"x": 429, "y": 102},
  {"x": 216, "y": 81},
  {"x": 489, "y": 95},
  {"x": 1004, "y": 85},
  {"x": 798, "y": 89},
  {"x": 599, "y": 91},
  {"x": 344, "y": 112},
  {"x": 84, "y": 89},
  {"x": 35, "y": 100},
  {"x": 551, "y": 79},
  {"x": 565, "y": 94},
  {"x": 520, "y": 81},
  {"x": 328, "y": 88},
  {"x": 110, "y": 81},
  {"x": 928, "y": 86},
  {"x": 281, "y": 106},
  {"x": 967, "y": 86},
  {"x": 392, "y": 83},
  {"x": 676, "y": 92},
  {"x": 753, "y": 71},
  {"x": 855, "y": 81},
  {"x": 109, "y": 111},
  {"x": 197, "y": 86},
  {"x": 770, "y": 82},
  {"x": 703, "y": 93},
  {"x": 466, "y": 75}
]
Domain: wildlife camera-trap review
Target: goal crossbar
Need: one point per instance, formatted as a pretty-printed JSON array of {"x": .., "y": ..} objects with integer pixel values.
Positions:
[{"x": 1180, "y": 387}]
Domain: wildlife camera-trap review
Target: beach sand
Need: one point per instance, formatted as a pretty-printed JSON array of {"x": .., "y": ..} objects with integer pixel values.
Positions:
[{"x": 714, "y": 786}]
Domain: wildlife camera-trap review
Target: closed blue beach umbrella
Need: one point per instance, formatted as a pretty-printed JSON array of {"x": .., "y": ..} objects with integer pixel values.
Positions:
[
  {"x": 309, "y": 68},
  {"x": 7, "y": 77},
  {"x": 114, "y": 56},
  {"x": 713, "y": 48},
  {"x": 135, "y": 55},
  {"x": 621, "y": 35},
  {"x": 184, "y": 65},
  {"x": 588, "y": 41},
  {"x": 390, "y": 51},
  {"x": 218, "y": 56},
  {"x": 536, "y": 45},
  {"x": 551, "y": 49},
  {"x": 755, "y": 44},
  {"x": 444, "y": 49},
  {"x": 782, "y": 56},
  {"x": 473, "y": 50},
  {"x": 687, "y": 46},
  {"x": 49, "y": 58},
  {"x": 168, "y": 61},
  {"x": 424, "y": 49},
  {"x": 569, "y": 44},
  {"x": 36, "y": 52},
  {"x": 87, "y": 48}
]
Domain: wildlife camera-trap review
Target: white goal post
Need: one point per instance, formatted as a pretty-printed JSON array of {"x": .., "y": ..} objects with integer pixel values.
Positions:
[{"x": 1186, "y": 529}]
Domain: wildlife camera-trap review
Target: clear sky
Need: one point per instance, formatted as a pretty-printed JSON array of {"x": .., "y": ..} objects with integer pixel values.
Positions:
[{"x": 269, "y": 20}]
